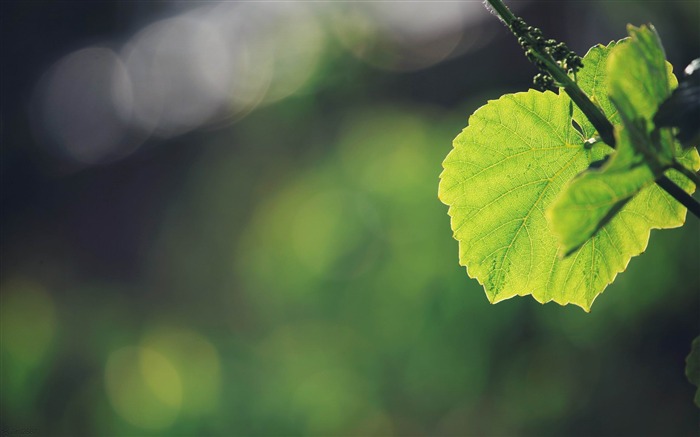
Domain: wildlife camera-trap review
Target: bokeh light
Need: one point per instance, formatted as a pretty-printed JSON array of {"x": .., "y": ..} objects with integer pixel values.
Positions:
[
  {"x": 144, "y": 387},
  {"x": 405, "y": 36},
  {"x": 251, "y": 58},
  {"x": 197, "y": 363},
  {"x": 221, "y": 218},
  {"x": 28, "y": 331},
  {"x": 312, "y": 383},
  {"x": 28, "y": 321},
  {"x": 290, "y": 35},
  {"x": 181, "y": 72},
  {"x": 84, "y": 107}
]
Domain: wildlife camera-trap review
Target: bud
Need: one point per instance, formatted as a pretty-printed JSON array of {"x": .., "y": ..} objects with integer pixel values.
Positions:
[{"x": 543, "y": 82}]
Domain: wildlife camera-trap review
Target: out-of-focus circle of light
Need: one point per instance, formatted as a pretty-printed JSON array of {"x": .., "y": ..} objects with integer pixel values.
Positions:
[
  {"x": 251, "y": 59},
  {"x": 181, "y": 73},
  {"x": 379, "y": 148},
  {"x": 84, "y": 105},
  {"x": 424, "y": 19},
  {"x": 28, "y": 321},
  {"x": 277, "y": 48},
  {"x": 327, "y": 227},
  {"x": 403, "y": 36},
  {"x": 309, "y": 377},
  {"x": 332, "y": 401},
  {"x": 197, "y": 362},
  {"x": 143, "y": 387},
  {"x": 298, "y": 42}
]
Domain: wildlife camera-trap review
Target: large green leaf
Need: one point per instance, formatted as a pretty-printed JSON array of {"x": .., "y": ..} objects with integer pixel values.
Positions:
[
  {"x": 506, "y": 168},
  {"x": 692, "y": 368}
]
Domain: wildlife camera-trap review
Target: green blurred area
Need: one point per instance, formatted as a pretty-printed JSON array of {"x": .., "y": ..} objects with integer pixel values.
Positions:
[{"x": 295, "y": 274}]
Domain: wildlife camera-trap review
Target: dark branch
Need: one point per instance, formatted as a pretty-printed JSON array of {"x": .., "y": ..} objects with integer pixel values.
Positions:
[{"x": 590, "y": 110}]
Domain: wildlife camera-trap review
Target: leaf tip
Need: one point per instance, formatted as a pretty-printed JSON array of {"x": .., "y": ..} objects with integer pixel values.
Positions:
[{"x": 566, "y": 251}]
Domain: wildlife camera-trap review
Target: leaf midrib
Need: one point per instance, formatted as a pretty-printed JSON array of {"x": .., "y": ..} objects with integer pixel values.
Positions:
[{"x": 497, "y": 281}]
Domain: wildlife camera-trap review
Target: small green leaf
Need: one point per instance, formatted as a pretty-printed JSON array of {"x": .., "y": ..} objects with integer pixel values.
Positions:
[
  {"x": 593, "y": 79},
  {"x": 637, "y": 71},
  {"x": 637, "y": 80},
  {"x": 692, "y": 368},
  {"x": 593, "y": 198}
]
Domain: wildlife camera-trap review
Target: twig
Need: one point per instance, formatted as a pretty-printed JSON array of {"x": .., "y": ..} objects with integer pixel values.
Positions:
[{"x": 590, "y": 110}]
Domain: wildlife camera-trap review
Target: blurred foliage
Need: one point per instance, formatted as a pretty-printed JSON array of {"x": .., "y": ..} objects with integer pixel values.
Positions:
[
  {"x": 294, "y": 274},
  {"x": 692, "y": 368}
]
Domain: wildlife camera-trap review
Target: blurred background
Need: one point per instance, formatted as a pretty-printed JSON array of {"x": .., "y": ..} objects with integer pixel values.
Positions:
[{"x": 221, "y": 218}]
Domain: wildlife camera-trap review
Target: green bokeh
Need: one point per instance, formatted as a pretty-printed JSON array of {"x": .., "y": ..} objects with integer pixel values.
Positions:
[{"x": 294, "y": 273}]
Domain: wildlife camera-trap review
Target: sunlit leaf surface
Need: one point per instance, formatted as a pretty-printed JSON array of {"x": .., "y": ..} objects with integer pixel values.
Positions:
[
  {"x": 506, "y": 169},
  {"x": 637, "y": 80}
]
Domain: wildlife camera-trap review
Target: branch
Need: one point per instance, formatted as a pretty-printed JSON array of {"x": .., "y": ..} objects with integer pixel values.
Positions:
[
  {"x": 679, "y": 194},
  {"x": 590, "y": 110},
  {"x": 687, "y": 172}
]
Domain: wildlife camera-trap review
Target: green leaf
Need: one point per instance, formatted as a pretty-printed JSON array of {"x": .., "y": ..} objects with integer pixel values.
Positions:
[
  {"x": 637, "y": 82},
  {"x": 638, "y": 73},
  {"x": 692, "y": 368},
  {"x": 593, "y": 79},
  {"x": 593, "y": 198},
  {"x": 506, "y": 168}
]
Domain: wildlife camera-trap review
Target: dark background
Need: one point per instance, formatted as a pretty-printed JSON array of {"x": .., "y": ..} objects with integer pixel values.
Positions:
[{"x": 283, "y": 266}]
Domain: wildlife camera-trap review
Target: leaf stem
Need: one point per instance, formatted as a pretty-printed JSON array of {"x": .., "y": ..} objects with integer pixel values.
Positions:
[{"x": 590, "y": 110}]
